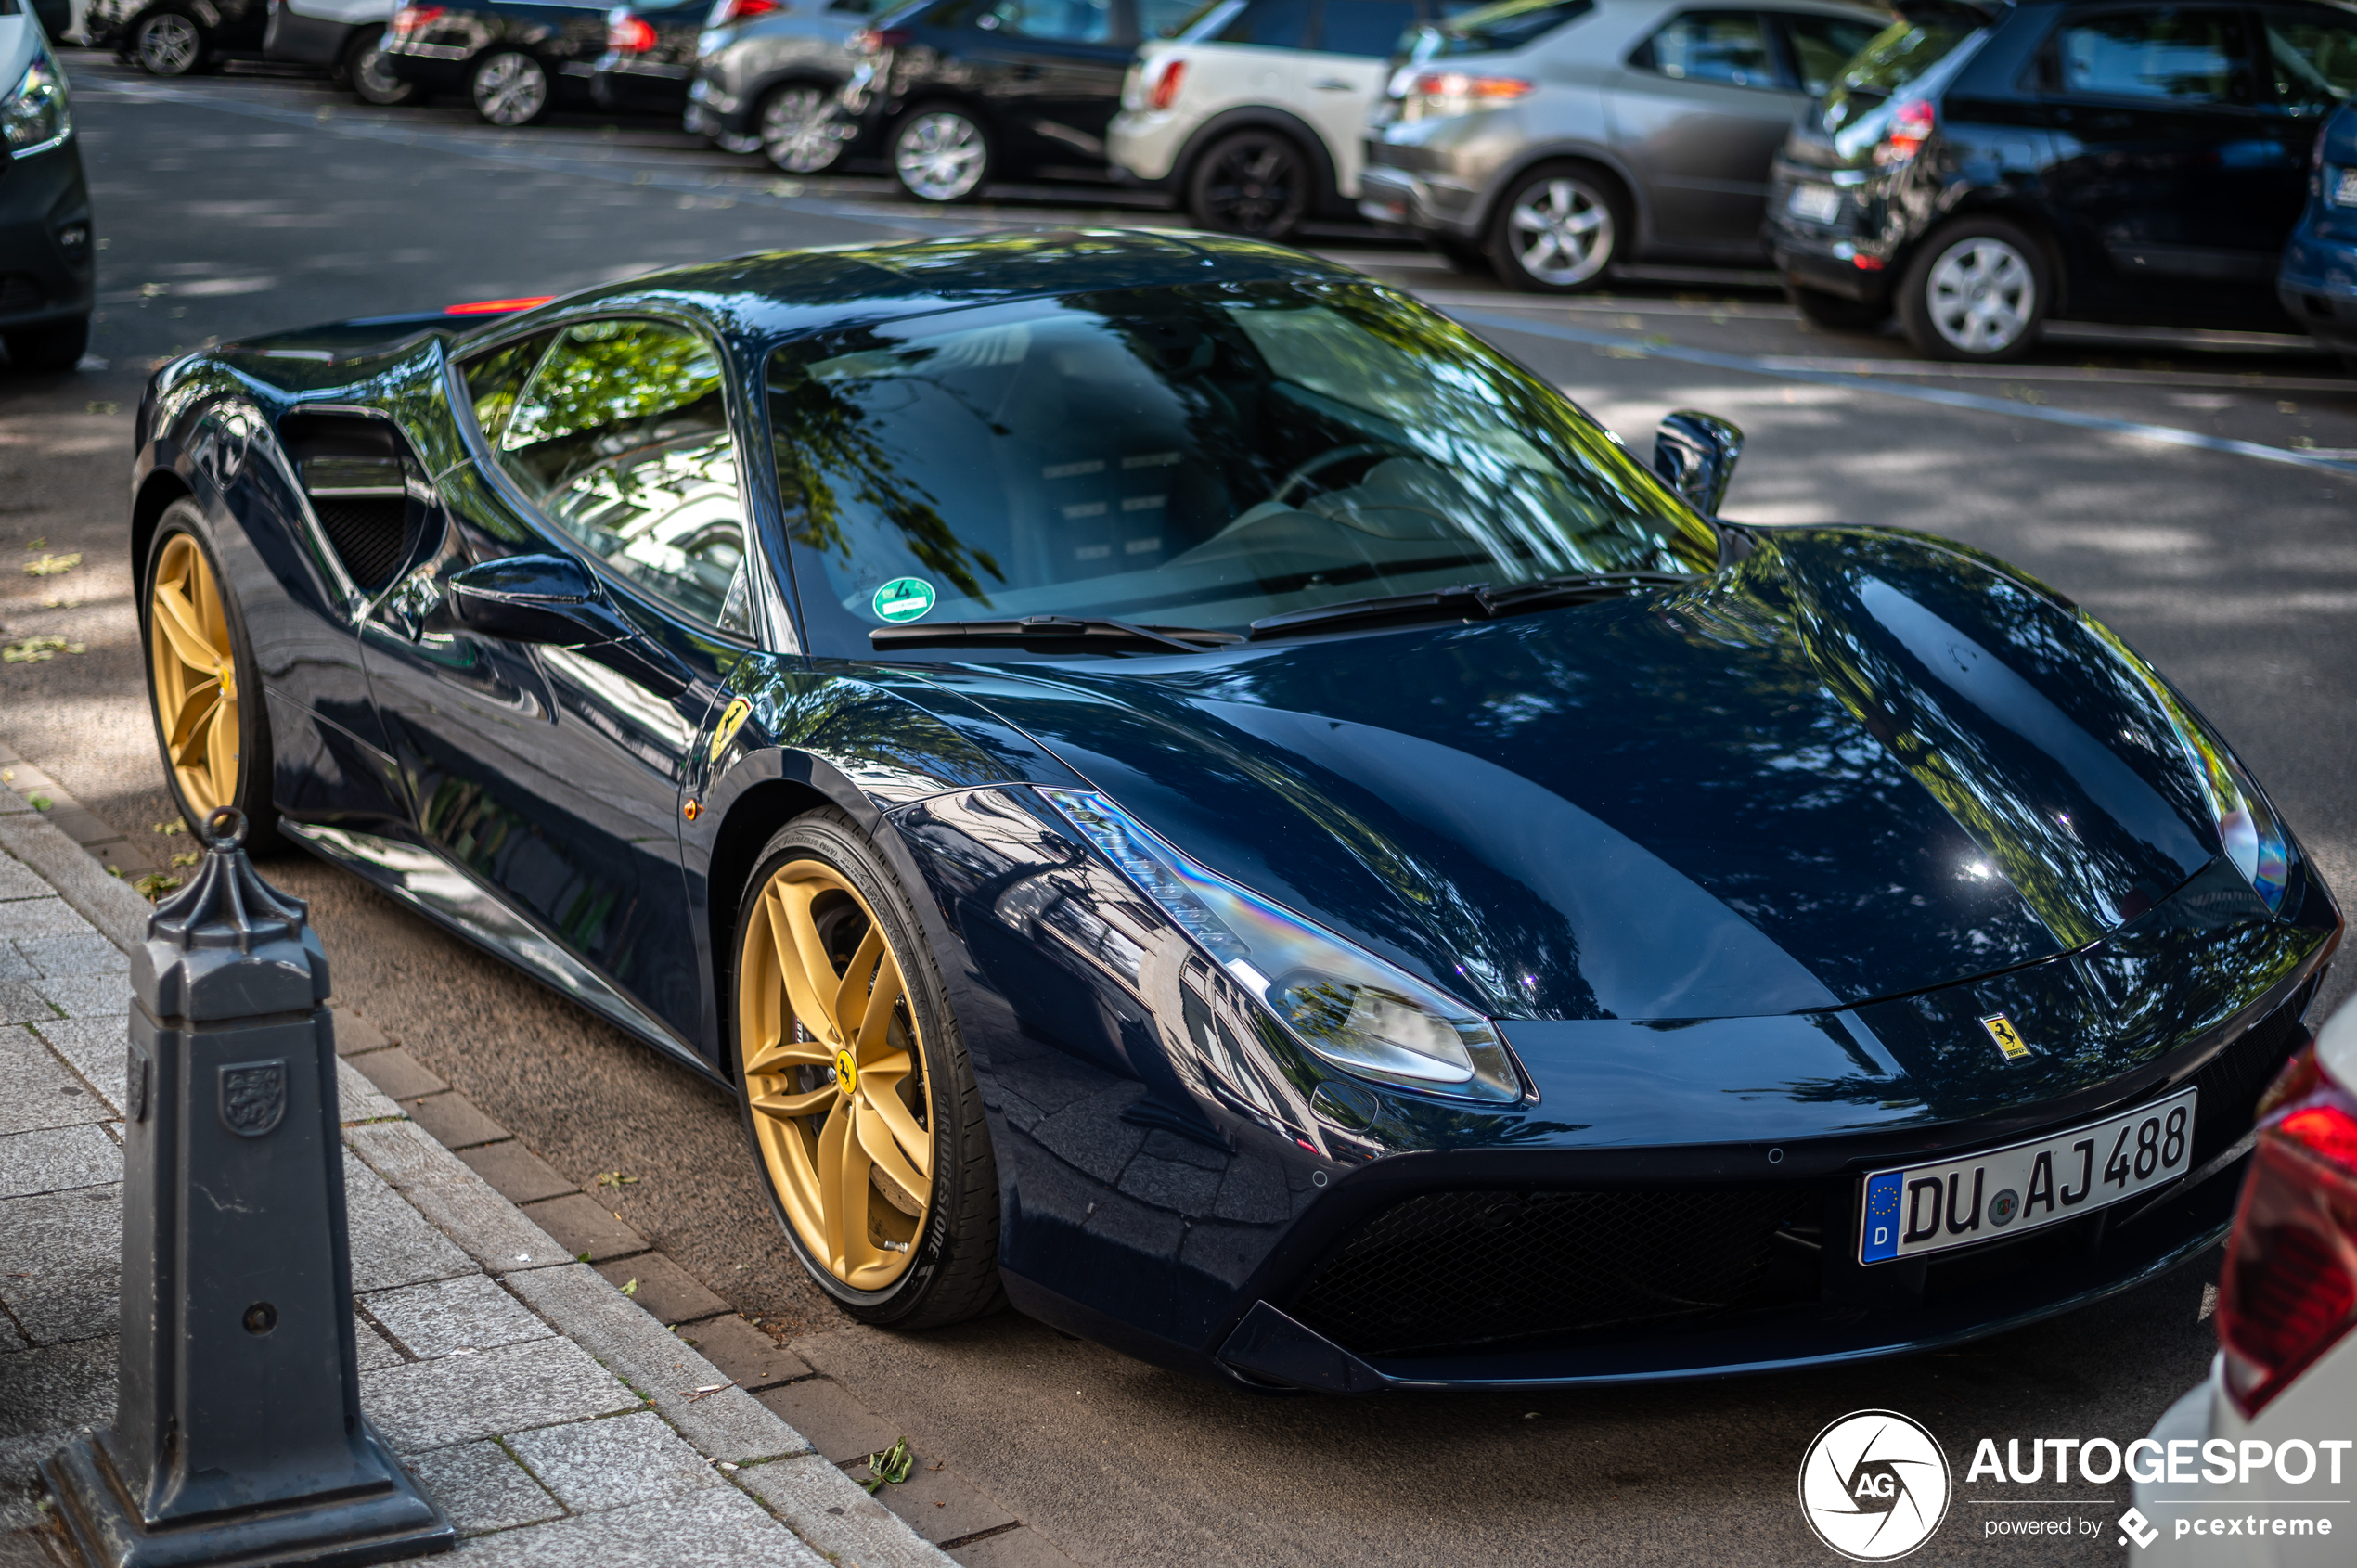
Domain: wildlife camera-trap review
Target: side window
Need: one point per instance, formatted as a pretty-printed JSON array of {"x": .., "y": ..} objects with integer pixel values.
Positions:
[
  {"x": 2164, "y": 55},
  {"x": 1056, "y": 21},
  {"x": 1822, "y": 46},
  {"x": 620, "y": 437},
  {"x": 1272, "y": 24},
  {"x": 493, "y": 379},
  {"x": 2312, "y": 58},
  {"x": 1164, "y": 18},
  {"x": 1371, "y": 29},
  {"x": 1729, "y": 46}
]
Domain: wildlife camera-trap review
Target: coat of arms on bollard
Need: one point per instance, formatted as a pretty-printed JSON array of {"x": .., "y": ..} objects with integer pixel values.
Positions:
[{"x": 237, "y": 1434}]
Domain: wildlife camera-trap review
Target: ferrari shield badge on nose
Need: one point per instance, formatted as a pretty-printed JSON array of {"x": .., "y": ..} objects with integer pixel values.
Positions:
[{"x": 2008, "y": 1038}]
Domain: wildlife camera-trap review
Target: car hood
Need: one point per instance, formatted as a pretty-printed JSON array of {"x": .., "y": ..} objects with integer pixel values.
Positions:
[{"x": 1858, "y": 765}]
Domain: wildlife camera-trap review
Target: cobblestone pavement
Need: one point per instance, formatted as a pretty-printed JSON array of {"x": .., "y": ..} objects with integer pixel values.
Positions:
[{"x": 557, "y": 1419}]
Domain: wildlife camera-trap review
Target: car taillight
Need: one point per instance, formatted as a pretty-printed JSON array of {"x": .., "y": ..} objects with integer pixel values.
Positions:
[
  {"x": 1435, "y": 95},
  {"x": 416, "y": 18},
  {"x": 1166, "y": 86},
  {"x": 876, "y": 40},
  {"x": 496, "y": 307},
  {"x": 2288, "y": 1292},
  {"x": 730, "y": 12},
  {"x": 1910, "y": 126},
  {"x": 630, "y": 36}
]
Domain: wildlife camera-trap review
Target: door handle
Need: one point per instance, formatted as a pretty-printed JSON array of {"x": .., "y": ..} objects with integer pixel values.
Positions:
[{"x": 1331, "y": 85}]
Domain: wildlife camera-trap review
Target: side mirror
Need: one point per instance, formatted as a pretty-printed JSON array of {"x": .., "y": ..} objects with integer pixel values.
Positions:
[
  {"x": 1697, "y": 452},
  {"x": 543, "y": 599}
]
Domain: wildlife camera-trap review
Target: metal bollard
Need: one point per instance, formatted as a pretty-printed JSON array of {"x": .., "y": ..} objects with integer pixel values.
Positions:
[{"x": 237, "y": 1435}]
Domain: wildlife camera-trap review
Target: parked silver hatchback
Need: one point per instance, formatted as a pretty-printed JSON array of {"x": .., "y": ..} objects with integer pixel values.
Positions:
[
  {"x": 1552, "y": 138},
  {"x": 766, "y": 74}
]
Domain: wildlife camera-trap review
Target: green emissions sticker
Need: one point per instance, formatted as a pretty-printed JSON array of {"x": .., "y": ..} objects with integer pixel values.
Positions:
[{"x": 904, "y": 598}]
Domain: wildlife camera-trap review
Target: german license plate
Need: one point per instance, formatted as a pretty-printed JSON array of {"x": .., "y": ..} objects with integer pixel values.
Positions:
[
  {"x": 1921, "y": 1209},
  {"x": 1818, "y": 204},
  {"x": 2345, "y": 188}
]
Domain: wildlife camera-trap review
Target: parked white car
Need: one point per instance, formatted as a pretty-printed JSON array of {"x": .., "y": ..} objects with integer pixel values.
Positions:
[
  {"x": 2279, "y": 1410},
  {"x": 1251, "y": 118}
]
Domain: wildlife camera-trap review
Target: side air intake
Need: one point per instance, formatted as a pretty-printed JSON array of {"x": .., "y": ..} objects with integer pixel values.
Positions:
[{"x": 353, "y": 470}]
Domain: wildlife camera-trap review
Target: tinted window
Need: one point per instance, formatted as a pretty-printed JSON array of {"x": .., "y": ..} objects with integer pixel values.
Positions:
[
  {"x": 1729, "y": 46},
  {"x": 492, "y": 381},
  {"x": 2313, "y": 58},
  {"x": 2174, "y": 56},
  {"x": 1062, "y": 21},
  {"x": 621, "y": 437},
  {"x": 1372, "y": 28},
  {"x": 1162, "y": 18},
  {"x": 1275, "y": 24},
  {"x": 1508, "y": 25},
  {"x": 1896, "y": 58},
  {"x": 1204, "y": 454},
  {"x": 1822, "y": 46}
]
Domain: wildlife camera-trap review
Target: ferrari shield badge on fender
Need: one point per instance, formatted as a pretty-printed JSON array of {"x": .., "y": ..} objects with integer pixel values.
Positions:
[
  {"x": 2008, "y": 1038},
  {"x": 730, "y": 721}
]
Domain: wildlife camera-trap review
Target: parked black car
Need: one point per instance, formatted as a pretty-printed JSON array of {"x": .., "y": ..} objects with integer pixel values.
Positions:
[
  {"x": 1977, "y": 169},
  {"x": 513, "y": 60},
  {"x": 650, "y": 58},
  {"x": 961, "y": 92},
  {"x": 45, "y": 277},
  {"x": 2318, "y": 280},
  {"x": 174, "y": 37},
  {"x": 767, "y": 76}
]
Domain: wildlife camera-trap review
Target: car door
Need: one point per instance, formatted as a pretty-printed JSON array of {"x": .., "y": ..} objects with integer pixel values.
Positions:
[
  {"x": 2162, "y": 150},
  {"x": 2309, "y": 57},
  {"x": 552, "y": 770},
  {"x": 1698, "y": 111},
  {"x": 1339, "y": 78},
  {"x": 1053, "y": 70}
]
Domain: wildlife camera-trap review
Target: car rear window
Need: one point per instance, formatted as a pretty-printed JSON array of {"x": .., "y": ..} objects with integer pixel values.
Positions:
[
  {"x": 1494, "y": 28},
  {"x": 1898, "y": 57}
]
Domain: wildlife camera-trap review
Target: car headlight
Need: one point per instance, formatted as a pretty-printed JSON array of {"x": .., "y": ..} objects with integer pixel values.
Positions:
[
  {"x": 1347, "y": 1007},
  {"x": 33, "y": 117},
  {"x": 2254, "y": 841}
]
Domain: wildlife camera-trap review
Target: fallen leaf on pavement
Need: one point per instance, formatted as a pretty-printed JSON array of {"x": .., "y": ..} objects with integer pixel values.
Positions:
[
  {"x": 154, "y": 885},
  {"x": 615, "y": 1179},
  {"x": 889, "y": 1468},
  {"x": 52, "y": 566},
  {"x": 631, "y": 1289}
]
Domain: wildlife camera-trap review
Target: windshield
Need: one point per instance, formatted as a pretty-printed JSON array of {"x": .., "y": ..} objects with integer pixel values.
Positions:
[
  {"x": 1201, "y": 456},
  {"x": 1898, "y": 57}
]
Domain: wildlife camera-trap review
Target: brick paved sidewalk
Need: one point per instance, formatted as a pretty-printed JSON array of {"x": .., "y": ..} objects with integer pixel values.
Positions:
[{"x": 557, "y": 1419}]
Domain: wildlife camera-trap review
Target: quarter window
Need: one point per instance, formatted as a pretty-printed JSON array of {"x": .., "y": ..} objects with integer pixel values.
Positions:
[
  {"x": 2168, "y": 55},
  {"x": 1822, "y": 46},
  {"x": 2313, "y": 57},
  {"x": 620, "y": 436},
  {"x": 1726, "y": 47},
  {"x": 1164, "y": 18}
]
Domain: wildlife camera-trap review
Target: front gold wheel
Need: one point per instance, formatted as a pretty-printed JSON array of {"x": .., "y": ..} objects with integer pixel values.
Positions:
[
  {"x": 835, "y": 1075},
  {"x": 195, "y": 668}
]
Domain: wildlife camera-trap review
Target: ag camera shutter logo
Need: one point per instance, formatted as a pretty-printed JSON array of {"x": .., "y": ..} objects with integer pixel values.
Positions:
[{"x": 1875, "y": 1485}]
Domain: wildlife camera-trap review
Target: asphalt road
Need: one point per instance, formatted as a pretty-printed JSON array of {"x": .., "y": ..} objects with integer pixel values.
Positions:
[{"x": 232, "y": 205}]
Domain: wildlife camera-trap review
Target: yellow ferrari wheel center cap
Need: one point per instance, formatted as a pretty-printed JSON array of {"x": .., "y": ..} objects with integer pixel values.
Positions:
[{"x": 846, "y": 1073}]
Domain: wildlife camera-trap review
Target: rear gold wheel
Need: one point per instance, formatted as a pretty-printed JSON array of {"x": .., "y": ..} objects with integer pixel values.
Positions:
[{"x": 858, "y": 1099}]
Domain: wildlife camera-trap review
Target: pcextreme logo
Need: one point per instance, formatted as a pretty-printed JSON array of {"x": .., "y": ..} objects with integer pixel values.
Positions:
[{"x": 1874, "y": 1485}]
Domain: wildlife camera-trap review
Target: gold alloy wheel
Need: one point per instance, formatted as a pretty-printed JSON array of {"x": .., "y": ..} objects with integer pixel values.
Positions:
[
  {"x": 835, "y": 1072},
  {"x": 196, "y": 677}
]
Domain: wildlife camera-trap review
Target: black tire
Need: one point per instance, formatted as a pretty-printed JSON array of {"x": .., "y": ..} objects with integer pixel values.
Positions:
[
  {"x": 795, "y": 128},
  {"x": 508, "y": 87},
  {"x": 954, "y": 1273},
  {"x": 167, "y": 42},
  {"x": 1468, "y": 256},
  {"x": 1833, "y": 312},
  {"x": 252, "y": 795},
  {"x": 1255, "y": 182},
  {"x": 59, "y": 346},
  {"x": 1560, "y": 229},
  {"x": 371, "y": 81},
  {"x": 941, "y": 153},
  {"x": 1977, "y": 290}
]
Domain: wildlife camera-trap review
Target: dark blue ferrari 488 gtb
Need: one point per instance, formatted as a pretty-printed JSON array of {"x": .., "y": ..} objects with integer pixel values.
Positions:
[{"x": 1185, "y": 792}]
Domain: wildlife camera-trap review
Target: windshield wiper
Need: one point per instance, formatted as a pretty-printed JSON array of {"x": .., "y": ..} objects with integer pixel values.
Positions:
[
  {"x": 1085, "y": 631},
  {"x": 1468, "y": 601}
]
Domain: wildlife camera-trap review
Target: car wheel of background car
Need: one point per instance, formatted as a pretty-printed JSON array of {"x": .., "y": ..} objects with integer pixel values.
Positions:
[
  {"x": 510, "y": 88},
  {"x": 1559, "y": 230},
  {"x": 370, "y": 77},
  {"x": 1833, "y": 312},
  {"x": 858, "y": 1095},
  {"x": 1255, "y": 182},
  {"x": 1463, "y": 255},
  {"x": 167, "y": 44},
  {"x": 797, "y": 129},
  {"x": 940, "y": 154},
  {"x": 1977, "y": 290},
  {"x": 204, "y": 689},
  {"x": 57, "y": 346}
]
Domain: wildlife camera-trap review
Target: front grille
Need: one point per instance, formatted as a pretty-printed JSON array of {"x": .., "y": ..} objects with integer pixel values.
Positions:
[
  {"x": 2236, "y": 1076},
  {"x": 19, "y": 292},
  {"x": 1450, "y": 1270},
  {"x": 370, "y": 534}
]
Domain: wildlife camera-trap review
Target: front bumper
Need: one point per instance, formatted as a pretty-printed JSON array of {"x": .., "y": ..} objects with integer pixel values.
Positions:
[{"x": 43, "y": 198}]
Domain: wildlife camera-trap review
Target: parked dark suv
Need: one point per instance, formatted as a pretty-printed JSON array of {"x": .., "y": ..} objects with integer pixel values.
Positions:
[
  {"x": 1977, "y": 169},
  {"x": 961, "y": 92}
]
